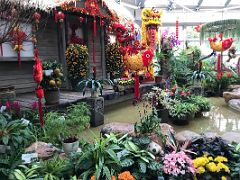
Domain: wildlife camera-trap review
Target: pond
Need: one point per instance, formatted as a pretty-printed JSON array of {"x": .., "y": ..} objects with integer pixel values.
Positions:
[{"x": 220, "y": 119}]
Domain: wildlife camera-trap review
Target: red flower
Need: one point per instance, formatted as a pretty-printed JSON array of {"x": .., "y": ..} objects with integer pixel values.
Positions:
[
  {"x": 147, "y": 57},
  {"x": 8, "y": 105},
  {"x": 229, "y": 75},
  {"x": 172, "y": 93},
  {"x": 174, "y": 89},
  {"x": 182, "y": 94},
  {"x": 167, "y": 90},
  {"x": 148, "y": 75},
  {"x": 188, "y": 93}
]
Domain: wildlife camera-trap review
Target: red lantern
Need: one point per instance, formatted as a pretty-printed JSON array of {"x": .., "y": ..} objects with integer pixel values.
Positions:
[
  {"x": 60, "y": 16},
  {"x": 198, "y": 27},
  {"x": 36, "y": 17},
  {"x": 39, "y": 92},
  {"x": 81, "y": 19}
]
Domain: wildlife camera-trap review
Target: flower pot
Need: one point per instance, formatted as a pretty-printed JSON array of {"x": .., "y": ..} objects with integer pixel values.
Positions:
[
  {"x": 94, "y": 94},
  {"x": 158, "y": 79},
  {"x": 70, "y": 145},
  {"x": 181, "y": 121},
  {"x": 52, "y": 97},
  {"x": 163, "y": 114}
]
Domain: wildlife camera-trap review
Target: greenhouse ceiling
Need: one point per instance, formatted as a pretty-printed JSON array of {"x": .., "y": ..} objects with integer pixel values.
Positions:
[{"x": 187, "y": 11}]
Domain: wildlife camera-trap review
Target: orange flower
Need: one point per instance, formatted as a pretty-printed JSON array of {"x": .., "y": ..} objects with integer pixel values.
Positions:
[
  {"x": 112, "y": 178},
  {"x": 126, "y": 175}
]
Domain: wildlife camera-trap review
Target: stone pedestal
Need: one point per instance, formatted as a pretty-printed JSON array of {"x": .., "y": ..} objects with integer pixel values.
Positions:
[{"x": 97, "y": 111}]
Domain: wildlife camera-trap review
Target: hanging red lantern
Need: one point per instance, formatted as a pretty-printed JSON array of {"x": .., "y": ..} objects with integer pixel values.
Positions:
[
  {"x": 39, "y": 92},
  {"x": 198, "y": 27},
  {"x": 81, "y": 19},
  {"x": 60, "y": 16},
  {"x": 36, "y": 17}
]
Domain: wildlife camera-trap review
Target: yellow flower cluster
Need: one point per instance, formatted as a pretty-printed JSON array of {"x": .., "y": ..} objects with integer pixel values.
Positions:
[
  {"x": 212, "y": 165},
  {"x": 77, "y": 61}
]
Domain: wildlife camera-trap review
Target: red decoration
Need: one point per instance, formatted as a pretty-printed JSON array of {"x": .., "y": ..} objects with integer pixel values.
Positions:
[
  {"x": 94, "y": 27},
  {"x": 92, "y": 7},
  {"x": 147, "y": 57},
  {"x": 136, "y": 87},
  {"x": 109, "y": 28},
  {"x": 198, "y": 27},
  {"x": 219, "y": 63},
  {"x": 18, "y": 36},
  {"x": 221, "y": 45},
  {"x": 36, "y": 17},
  {"x": 177, "y": 25},
  {"x": 60, "y": 16},
  {"x": 37, "y": 76},
  {"x": 81, "y": 19},
  {"x": 227, "y": 43}
]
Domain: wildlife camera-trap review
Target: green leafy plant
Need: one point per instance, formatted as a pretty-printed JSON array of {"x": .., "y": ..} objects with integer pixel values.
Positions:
[
  {"x": 15, "y": 133},
  {"x": 99, "y": 159},
  {"x": 24, "y": 173},
  {"x": 201, "y": 102},
  {"x": 93, "y": 85},
  {"x": 52, "y": 75},
  {"x": 183, "y": 110},
  {"x": 77, "y": 118}
]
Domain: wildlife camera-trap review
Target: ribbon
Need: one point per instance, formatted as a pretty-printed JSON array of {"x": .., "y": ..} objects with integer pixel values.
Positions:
[
  {"x": 94, "y": 27},
  {"x": 19, "y": 57},
  {"x": 136, "y": 87},
  {"x": 219, "y": 63}
]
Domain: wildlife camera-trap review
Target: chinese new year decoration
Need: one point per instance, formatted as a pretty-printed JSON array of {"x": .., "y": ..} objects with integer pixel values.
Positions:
[
  {"x": 37, "y": 76},
  {"x": 18, "y": 36},
  {"x": 59, "y": 17},
  {"x": 36, "y": 18}
]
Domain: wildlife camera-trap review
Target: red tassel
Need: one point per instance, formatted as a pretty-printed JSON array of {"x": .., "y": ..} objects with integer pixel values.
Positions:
[
  {"x": 136, "y": 87},
  {"x": 19, "y": 58},
  {"x": 40, "y": 111},
  {"x": 94, "y": 27},
  {"x": 177, "y": 24},
  {"x": 219, "y": 63},
  {"x": 55, "y": 15}
]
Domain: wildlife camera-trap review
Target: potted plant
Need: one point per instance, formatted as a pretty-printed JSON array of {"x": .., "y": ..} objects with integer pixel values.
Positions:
[
  {"x": 181, "y": 112},
  {"x": 95, "y": 86},
  {"x": 52, "y": 81},
  {"x": 77, "y": 63}
]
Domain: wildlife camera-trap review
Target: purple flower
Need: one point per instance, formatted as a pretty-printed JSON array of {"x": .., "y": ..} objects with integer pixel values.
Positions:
[{"x": 34, "y": 105}]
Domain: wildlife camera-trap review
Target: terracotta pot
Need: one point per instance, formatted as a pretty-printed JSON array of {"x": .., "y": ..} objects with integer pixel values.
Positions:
[{"x": 52, "y": 97}]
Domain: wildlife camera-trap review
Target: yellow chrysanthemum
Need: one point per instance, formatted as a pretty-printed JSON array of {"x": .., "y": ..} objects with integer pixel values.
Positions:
[
  {"x": 221, "y": 166},
  {"x": 210, "y": 158},
  {"x": 200, "y": 161},
  {"x": 212, "y": 167},
  {"x": 223, "y": 178},
  {"x": 221, "y": 159},
  {"x": 200, "y": 170}
]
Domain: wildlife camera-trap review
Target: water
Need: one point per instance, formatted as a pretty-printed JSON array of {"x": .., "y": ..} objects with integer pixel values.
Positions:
[{"x": 220, "y": 119}]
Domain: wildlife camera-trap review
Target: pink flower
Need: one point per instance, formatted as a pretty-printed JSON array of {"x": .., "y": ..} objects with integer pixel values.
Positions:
[
  {"x": 34, "y": 105},
  {"x": 8, "y": 105}
]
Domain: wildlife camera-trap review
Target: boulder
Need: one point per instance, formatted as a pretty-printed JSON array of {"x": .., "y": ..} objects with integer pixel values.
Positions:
[
  {"x": 210, "y": 135},
  {"x": 234, "y": 104},
  {"x": 235, "y": 94},
  {"x": 231, "y": 137},
  {"x": 186, "y": 135},
  {"x": 44, "y": 150},
  {"x": 233, "y": 87},
  {"x": 128, "y": 128}
]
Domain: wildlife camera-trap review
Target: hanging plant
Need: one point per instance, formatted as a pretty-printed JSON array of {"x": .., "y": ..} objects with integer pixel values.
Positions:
[
  {"x": 114, "y": 61},
  {"x": 77, "y": 61}
]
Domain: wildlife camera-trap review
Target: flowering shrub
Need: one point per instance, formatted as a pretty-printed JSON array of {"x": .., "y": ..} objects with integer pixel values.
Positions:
[
  {"x": 12, "y": 109},
  {"x": 208, "y": 166},
  {"x": 77, "y": 61},
  {"x": 113, "y": 58},
  {"x": 178, "y": 164}
]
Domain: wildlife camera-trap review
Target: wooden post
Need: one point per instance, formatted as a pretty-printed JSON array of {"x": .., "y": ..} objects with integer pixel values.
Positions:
[
  {"x": 61, "y": 26},
  {"x": 103, "y": 60}
]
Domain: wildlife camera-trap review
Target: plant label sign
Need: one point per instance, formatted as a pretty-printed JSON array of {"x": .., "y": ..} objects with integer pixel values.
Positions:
[
  {"x": 28, "y": 158},
  {"x": 25, "y": 121}
]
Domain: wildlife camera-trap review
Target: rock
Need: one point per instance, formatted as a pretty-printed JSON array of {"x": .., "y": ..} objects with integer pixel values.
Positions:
[
  {"x": 128, "y": 128},
  {"x": 234, "y": 104},
  {"x": 43, "y": 149},
  {"x": 186, "y": 135},
  {"x": 231, "y": 95},
  {"x": 233, "y": 87},
  {"x": 210, "y": 135},
  {"x": 118, "y": 128},
  {"x": 231, "y": 137}
]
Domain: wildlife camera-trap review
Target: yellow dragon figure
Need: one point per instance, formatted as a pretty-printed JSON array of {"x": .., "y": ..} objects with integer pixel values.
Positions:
[{"x": 151, "y": 20}]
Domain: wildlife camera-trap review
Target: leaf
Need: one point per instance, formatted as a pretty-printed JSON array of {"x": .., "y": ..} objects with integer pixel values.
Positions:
[
  {"x": 127, "y": 162},
  {"x": 142, "y": 167},
  {"x": 5, "y": 139},
  {"x": 106, "y": 173},
  {"x": 133, "y": 146},
  {"x": 144, "y": 159},
  {"x": 112, "y": 154}
]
